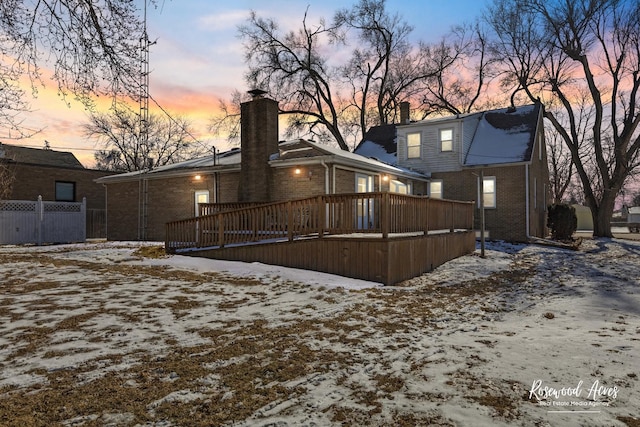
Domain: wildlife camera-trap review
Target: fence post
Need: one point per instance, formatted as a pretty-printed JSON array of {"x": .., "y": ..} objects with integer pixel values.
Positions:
[
  {"x": 39, "y": 220},
  {"x": 83, "y": 215}
]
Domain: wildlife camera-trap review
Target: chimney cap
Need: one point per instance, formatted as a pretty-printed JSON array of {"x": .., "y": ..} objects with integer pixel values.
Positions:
[{"x": 257, "y": 93}]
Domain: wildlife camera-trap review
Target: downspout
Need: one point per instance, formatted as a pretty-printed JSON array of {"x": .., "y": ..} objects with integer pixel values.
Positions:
[
  {"x": 334, "y": 179},
  {"x": 326, "y": 177}
]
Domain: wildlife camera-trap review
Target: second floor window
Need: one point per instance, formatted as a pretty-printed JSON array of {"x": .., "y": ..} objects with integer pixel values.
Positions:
[
  {"x": 446, "y": 139},
  {"x": 413, "y": 145}
]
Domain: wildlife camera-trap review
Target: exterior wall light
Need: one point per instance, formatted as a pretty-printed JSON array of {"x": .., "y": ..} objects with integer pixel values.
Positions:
[{"x": 197, "y": 177}]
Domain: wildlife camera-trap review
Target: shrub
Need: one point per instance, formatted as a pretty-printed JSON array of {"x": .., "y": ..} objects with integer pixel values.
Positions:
[{"x": 562, "y": 220}]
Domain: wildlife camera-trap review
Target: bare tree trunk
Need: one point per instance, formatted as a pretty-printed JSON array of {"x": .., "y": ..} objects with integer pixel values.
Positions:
[{"x": 602, "y": 214}]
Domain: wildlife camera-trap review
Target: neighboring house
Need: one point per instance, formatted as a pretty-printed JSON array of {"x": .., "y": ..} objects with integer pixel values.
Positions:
[
  {"x": 633, "y": 219},
  {"x": 584, "y": 218},
  {"x": 263, "y": 170},
  {"x": 54, "y": 175},
  {"x": 505, "y": 146}
]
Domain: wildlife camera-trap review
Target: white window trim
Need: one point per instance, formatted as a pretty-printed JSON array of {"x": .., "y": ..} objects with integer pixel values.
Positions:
[
  {"x": 441, "y": 196},
  {"x": 495, "y": 192},
  {"x": 394, "y": 184},
  {"x": 419, "y": 156},
  {"x": 195, "y": 199},
  {"x": 440, "y": 140}
]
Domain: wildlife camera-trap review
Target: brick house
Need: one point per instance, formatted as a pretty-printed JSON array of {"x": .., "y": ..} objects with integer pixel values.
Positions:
[
  {"x": 263, "y": 169},
  {"x": 505, "y": 146},
  {"x": 56, "y": 176}
]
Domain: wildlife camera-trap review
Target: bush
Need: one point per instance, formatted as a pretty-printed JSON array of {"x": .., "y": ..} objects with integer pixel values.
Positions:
[{"x": 562, "y": 220}]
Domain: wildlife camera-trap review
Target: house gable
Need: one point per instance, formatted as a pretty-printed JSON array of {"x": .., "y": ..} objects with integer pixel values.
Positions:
[
  {"x": 503, "y": 136},
  {"x": 39, "y": 157}
]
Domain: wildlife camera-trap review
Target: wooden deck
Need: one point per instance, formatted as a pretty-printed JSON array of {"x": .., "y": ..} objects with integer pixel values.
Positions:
[{"x": 380, "y": 237}]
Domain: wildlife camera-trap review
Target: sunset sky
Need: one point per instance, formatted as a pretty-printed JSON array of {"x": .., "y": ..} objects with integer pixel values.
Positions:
[{"x": 198, "y": 59}]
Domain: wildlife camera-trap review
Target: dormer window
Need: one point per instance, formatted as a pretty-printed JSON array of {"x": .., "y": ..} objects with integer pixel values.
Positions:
[
  {"x": 446, "y": 139},
  {"x": 414, "y": 142}
]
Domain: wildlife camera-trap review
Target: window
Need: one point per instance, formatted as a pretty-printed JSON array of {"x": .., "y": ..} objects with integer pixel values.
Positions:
[
  {"x": 489, "y": 196},
  {"x": 201, "y": 196},
  {"x": 446, "y": 139},
  {"x": 65, "y": 191},
  {"x": 399, "y": 187},
  {"x": 364, "y": 206},
  {"x": 413, "y": 145},
  {"x": 435, "y": 189}
]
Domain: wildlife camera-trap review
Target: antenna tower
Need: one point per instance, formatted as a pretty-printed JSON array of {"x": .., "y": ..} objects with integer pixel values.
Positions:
[
  {"x": 144, "y": 129},
  {"x": 144, "y": 88}
]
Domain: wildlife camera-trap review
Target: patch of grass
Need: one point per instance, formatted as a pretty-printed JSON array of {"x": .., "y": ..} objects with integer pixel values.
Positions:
[{"x": 151, "y": 252}]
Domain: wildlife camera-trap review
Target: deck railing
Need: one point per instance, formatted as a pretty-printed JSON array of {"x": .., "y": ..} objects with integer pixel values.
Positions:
[{"x": 384, "y": 213}]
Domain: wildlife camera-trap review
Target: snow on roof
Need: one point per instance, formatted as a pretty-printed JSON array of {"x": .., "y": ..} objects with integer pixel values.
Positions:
[
  {"x": 503, "y": 136},
  {"x": 379, "y": 143},
  {"x": 226, "y": 158},
  {"x": 374, "y": 162}
]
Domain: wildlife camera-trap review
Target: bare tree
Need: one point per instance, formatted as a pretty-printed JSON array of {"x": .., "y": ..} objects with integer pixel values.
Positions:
[
  {"x": 553, "y": 50},
  {"x": 561, "y": 169},
  {"x": 7, "y": 177},
  {"x": 385, "y": 68},
  {"x": 127, "y": 151},
  {"x": 92, "y": 47},
  {"x": 12, "y": 102},
  {"x": 464, "y": 74},
  {"x": 333, "y": 99}
]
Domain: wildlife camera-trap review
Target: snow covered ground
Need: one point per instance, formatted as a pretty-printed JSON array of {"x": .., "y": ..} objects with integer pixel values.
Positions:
[{"x": 112, "y": 334}]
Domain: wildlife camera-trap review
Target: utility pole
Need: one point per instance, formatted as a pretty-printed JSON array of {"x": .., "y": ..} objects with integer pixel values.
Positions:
[{"x": 482, "y": 213}]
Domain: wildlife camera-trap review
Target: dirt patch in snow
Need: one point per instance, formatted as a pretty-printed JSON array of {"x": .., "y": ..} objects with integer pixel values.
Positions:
[{"x": 100, "y": 336}]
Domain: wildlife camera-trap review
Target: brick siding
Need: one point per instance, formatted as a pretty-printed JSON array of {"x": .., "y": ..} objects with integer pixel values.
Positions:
[{"x": 32, "y": 181}]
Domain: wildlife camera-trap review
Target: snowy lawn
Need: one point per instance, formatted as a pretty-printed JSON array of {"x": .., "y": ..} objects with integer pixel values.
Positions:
[{"x": 115, "y": 334}]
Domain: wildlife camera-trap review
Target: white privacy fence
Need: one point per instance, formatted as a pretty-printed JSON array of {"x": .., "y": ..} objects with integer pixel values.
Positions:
[{"x": 23, "y": 221}]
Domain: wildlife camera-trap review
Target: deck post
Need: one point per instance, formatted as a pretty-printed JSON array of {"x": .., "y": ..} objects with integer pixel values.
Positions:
[
  {"x": 289, "y": 220},
  {"x": 384, "y": 213},
  {"x": 426, "y": 216},
  {"x": 453, "y": 220},
  {"x": 321, "y": 215},
  {"x": 220, "y": 217}
]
